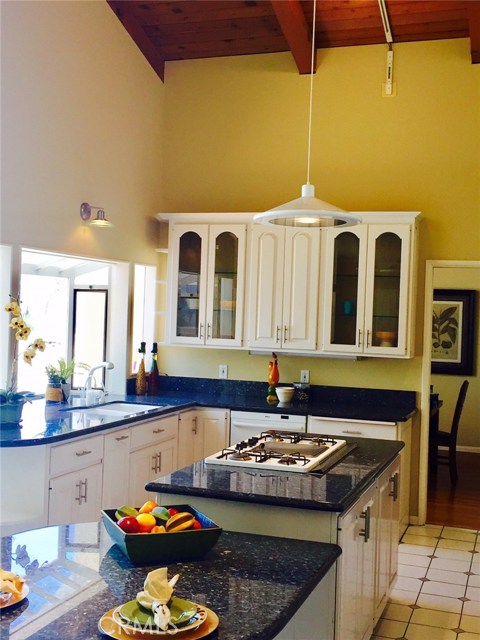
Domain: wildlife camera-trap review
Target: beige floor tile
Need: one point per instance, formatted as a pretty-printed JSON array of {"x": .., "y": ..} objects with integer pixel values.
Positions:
[
  {"x": 410, "y": 571},
  {"x": 470, "y": 623},
  {"x": 391, "y": 628},
  {"x": 403, "y": 597},
  {"x": 448, "y": 564},
  {"x": 474, "y": 581},
  {"x": 407, "y": 584},
  {"x": 433, "y": 618},
  {"x": 471, "y": 608},
  {"x": 431, "y": 530},
  {"x": 453, "y": 554},
  {"x": 473, "y": 593},
  {"x": 452, "y": 577},
  {"x": 444, "y": 589},
  {"x": 420, "y": 632},
  {"x": 461, "y": 545},
  {"x": 419, "y": 542},
  {"x": 459, "y": 534},
  {"x": 469, "y": 636},
  {"x": 459, "y": 529},
  {"x": 398, "y": 612},
  {"x": 415, "y": 560},
  {"x": 440, "y": 603}
]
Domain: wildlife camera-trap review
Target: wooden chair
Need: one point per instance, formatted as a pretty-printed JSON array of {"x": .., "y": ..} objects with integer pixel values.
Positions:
[{"x": 449, "y": 438}]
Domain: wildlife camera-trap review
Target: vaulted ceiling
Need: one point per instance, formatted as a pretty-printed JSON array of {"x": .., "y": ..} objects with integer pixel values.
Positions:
[{"x": 166, "y": 30}]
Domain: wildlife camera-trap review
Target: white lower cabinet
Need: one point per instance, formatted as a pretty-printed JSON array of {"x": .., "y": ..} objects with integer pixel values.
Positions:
[
  {"x": 201, "y": 432},
  {"x": 154, "y": 453},
  {"x": 377, "y": 430},
  {"x": 76, "y": 497},
  {"x": 368, "y": 536},
  {"x": 116, "y": 466}
]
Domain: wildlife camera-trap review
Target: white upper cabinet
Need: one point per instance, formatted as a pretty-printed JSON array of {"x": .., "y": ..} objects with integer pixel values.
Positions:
[
  {"x": 206, "y": 277},
  {"x": 283, "y": 294},
  {"x": 369, "y": 288}
]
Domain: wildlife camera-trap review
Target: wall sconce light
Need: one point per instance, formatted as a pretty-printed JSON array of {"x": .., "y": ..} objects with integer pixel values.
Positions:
[{"x": 99, "y": 220}]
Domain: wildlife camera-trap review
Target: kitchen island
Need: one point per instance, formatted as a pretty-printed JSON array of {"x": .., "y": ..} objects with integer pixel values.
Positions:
[
  {"x": 354, "y": 504},
  {"x": 75, "y": 575}
]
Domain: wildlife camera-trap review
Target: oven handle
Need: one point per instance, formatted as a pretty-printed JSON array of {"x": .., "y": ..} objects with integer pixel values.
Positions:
[{"x": 247, "y": 424}]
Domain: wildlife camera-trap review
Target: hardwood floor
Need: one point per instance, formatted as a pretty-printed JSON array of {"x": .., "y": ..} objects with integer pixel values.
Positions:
[{"x": 457, "y": 506}]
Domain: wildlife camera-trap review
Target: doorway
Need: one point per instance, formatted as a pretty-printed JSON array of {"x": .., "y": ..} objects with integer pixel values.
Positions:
[{"x": 449, "y": 274}]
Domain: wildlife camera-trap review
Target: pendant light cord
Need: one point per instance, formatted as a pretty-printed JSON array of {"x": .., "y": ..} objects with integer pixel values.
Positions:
[{"x": 311, "y": 92}]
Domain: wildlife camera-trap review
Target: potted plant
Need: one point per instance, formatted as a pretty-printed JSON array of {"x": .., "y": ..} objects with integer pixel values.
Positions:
[
  {"x": 58, "y": 379},
  {"x": 12, "y": 400}
]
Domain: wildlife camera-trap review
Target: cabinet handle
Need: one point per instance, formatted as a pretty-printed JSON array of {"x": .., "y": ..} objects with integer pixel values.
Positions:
[
  {"x": 277, "y": 338},
  {"x": 158, "y": 430},
  {"x": 394, "y": 492},
  {"x": 159, "y": 462},
  {"x": 285, "y": 333},
  {"x": 201, "y": 331},
  {"x": 82, "y": 453},
  {"x": 357, "y": 433},
  {"x": 368, "y": 338},
  {"x": 121, "y": 438},
  {"x": 365, "y": 532},
  {"x": 154, "y": 463},
  {"x": 82, "y": 495},
  {"x": 359, "y": 338},
  {"x": 194, "y": 421},
  {"x": 209, "y": 331}
]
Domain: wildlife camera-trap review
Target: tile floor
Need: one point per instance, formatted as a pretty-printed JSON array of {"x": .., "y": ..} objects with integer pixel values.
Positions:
[{"x": 436, "y": 595}]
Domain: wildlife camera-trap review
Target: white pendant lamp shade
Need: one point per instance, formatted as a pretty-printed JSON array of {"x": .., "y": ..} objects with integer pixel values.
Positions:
[{"x": 307, "y": 211}]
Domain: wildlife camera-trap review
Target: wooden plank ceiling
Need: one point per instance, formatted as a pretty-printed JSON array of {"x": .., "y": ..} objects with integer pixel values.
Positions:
[{"x": 166, "y": 30}]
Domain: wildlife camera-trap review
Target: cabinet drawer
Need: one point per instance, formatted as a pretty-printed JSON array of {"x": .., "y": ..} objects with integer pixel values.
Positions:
[
  {"x": 76, "y": 455},
  {"x": 153, "y": 431},
  {"x": 352, "y": 428}
]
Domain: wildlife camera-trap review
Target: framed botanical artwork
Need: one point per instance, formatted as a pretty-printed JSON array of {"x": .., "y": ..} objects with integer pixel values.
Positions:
[{"x": 453, "y": 325}]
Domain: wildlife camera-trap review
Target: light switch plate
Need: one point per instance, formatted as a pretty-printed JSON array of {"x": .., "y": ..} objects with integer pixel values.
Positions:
[
  {"x": 223, "y": 371},
  {"x": 304, "y": 375}
]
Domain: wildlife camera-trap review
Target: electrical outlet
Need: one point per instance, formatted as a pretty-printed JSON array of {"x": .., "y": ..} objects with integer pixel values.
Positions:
[
  {"x": 222, "y": 371},
  {"x": 304, "y": 375}
]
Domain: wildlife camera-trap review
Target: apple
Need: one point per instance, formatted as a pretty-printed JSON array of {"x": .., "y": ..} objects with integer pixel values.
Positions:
[
  {"x": 172, "y": 511},
  {"x": 129, "y": 524}
]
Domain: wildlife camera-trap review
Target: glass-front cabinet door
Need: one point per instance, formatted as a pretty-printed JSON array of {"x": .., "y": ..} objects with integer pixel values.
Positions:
[
  {"x": 386, "y": 299},
  {"x": 345, "y": 290},
  {"x": 206, "y": 277},
  {"x": 226, "y": 268}
]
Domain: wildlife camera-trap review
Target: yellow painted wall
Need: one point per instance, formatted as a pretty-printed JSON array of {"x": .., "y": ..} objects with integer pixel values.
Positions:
[{"x": 82, "y": 120}]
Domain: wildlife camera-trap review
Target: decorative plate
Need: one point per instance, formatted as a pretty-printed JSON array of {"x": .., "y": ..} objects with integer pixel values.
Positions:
[
  {"x": 109, "y": 627},
  {"x": 13, "y": 599},
  {"x": 132, "y": 612},
  {"x": 154, "y": 632}
]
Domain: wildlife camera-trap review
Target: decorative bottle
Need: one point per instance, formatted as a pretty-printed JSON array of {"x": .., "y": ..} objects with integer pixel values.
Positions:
[
  {"x": 154, "y": 376},
  {"x": 273, "y": 378},
  {"x": 141, "y": 381}
]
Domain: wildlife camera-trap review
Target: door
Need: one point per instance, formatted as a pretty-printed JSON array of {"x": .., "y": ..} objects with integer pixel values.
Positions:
[
  {"x": 76, "y": 497},
  {"x": 116, "y": 464},
  {"x": 387, "y": 289},
  {"x": 346, "y": 253},
  {"x": 148, "y": 464},
  {"x": 225, "y": 285},
  {"x": 188, "y": 284}
]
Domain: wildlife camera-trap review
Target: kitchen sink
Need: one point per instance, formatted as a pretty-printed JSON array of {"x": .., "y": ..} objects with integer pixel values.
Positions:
[{"x": 119, "y": 409}]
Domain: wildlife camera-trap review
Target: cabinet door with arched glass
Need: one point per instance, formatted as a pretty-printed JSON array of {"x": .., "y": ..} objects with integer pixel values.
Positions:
[
  {"x": 386, "y": 298},
  {"x": 345, "y": 289},
  {"x": 225, "y": 285},
  {"x": 189, "y": 246}
]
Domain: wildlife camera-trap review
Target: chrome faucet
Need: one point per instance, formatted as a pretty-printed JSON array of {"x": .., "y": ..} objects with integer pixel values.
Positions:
[{"x": 90, "y": 377}]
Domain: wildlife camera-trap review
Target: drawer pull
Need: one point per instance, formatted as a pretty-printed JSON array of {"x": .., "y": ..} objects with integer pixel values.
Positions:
[
  {"x": 158, "y": 430},
  {"x": 82, "y": 453},
  {"x": 121, "y": 438},
  {"x": 357, "y": 433}
]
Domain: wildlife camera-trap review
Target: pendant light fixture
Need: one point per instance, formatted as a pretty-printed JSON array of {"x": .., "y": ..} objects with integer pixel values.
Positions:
[{"x": 308, "y": 211}]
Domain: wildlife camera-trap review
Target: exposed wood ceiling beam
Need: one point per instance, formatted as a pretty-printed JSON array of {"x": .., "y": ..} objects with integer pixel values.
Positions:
[
  {"x": 131, "y": 24},
  {"x": 474, "y": 30},
  {"x": 295, "y": 29}
]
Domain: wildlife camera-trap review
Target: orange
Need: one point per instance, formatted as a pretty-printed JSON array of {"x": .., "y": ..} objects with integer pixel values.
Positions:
[
  {"x": 146, "y": 522},
  {"x": 148, "y": 506}
]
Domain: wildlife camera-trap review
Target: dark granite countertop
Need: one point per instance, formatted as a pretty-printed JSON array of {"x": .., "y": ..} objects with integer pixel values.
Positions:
[
  {"x": 47, "y": 423},
  {"x": 334, "y": 490},
  {"x": 75, "y": 576}
]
